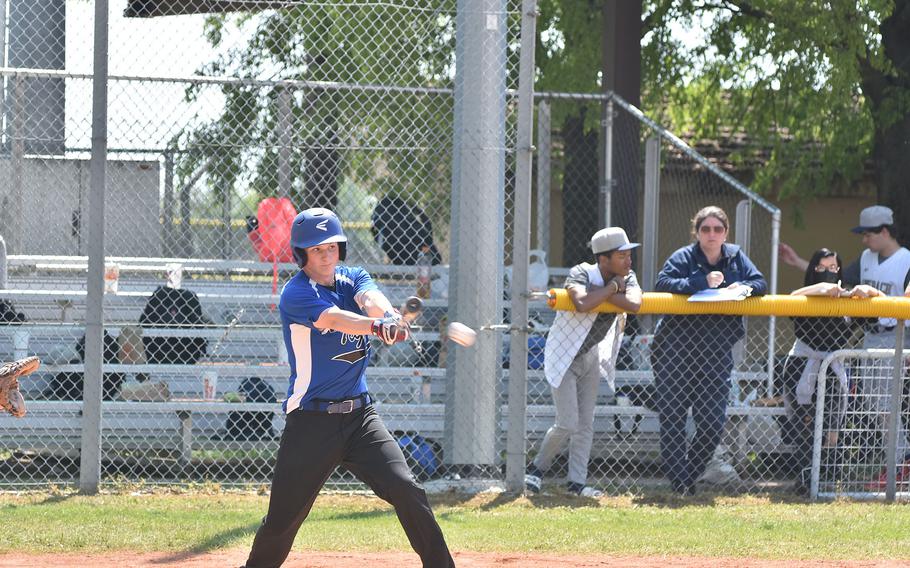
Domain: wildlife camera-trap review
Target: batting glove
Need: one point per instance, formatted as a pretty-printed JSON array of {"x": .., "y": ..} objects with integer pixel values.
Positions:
[{"x": 390, "y": 330}]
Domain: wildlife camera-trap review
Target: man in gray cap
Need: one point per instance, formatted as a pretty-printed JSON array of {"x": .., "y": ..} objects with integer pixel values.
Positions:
[
  {"x": 883, "y": 268},
  {"x": 581, "y": 348}
]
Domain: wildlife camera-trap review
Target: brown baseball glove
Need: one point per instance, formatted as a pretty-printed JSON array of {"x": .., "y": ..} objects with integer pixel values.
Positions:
[{"x": 10, "y": 398}]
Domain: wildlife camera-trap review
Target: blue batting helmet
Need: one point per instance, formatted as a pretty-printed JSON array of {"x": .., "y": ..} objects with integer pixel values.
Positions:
[{"x": 316, "y": 226}]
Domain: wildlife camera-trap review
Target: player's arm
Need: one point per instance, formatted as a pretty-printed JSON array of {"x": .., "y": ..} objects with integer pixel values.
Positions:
[
  {"x": 586, "y": 299},
  {"x": 375, "y": 304},
  {"x": 788, "y": 256},
  {"x": 389, "y": 329},
  {"x": 629, "y": 300},
  {"x": 344, "y": 321},
  {"x": 821, "y": 289},
  {"x": 675, "y": 276}
]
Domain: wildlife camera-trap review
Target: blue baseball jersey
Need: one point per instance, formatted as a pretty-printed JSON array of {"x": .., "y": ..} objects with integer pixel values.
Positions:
[{"x": 325, "y": 364}]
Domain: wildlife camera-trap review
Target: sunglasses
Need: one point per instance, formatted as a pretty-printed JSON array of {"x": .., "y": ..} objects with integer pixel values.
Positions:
[
  {"x": 706, "y": 229},
  {"x": 820, "y": 268}
]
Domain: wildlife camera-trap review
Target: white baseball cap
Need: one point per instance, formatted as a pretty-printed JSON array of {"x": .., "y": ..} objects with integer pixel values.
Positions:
[
  {"x": 873, "y": 218},
  {"x": 610, "y": 239}
]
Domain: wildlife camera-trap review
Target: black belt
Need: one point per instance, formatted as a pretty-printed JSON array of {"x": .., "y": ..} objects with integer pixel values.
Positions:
[{"x": 339, "y": 407}]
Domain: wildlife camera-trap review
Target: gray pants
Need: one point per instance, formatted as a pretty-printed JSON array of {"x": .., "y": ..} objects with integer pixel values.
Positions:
[
  {"x": 878, "y": 386},
  {"x": 575, "y": 399}
]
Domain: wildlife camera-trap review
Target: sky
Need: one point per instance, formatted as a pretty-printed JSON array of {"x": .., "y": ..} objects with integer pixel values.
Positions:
[{"x": 146, "y": 114}]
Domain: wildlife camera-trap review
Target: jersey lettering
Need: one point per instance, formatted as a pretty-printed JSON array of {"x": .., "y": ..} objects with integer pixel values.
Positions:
[{"x": 884, "y": 287}]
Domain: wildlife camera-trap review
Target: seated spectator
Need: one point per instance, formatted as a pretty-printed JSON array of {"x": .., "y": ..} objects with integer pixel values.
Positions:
[{"x": 403, "y": 230}]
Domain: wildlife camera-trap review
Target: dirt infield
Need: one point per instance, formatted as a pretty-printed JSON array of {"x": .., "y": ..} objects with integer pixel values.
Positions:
[{"x": 408, "y": 560}]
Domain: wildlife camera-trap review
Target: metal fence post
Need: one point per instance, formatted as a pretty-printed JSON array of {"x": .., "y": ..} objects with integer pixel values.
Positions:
[
  {"x": 477, "y": 253},
  {"x": 16, "y": 236},
  {"x": 516, "y": 447},
  {"x": 3, "y": 267},
  {"x": 284, "y": 142},
  {"x": 818, "y": 427},
  {"x": 169, "y": 247},
  {"x": 606, "y": 190},
  {"x": 772, "y": 283},
  {"x": 90, "y": 457},
  {"x": 226, "y": 223},
  {"x": 894, "y": 412},
  {"x": 651, "y": 222},
  {"x": 543, "y": 175}
]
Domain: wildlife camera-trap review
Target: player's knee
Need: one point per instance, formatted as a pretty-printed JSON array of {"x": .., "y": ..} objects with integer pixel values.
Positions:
[
  {"x": 567, "y": 427},
  {"x": 402, "y": 489}
]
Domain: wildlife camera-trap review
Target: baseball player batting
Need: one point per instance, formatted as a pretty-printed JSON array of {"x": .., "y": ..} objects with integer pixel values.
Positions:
[
  {"x": 10, "y": 398},
  {"x": 328, "y": 313}
]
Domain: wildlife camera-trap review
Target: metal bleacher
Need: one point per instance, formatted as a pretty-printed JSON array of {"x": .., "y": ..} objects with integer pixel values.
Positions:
[{"x": 51, "y": 293}]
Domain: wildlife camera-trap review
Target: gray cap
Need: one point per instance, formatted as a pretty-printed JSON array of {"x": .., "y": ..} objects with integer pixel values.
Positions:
[
  {"x": 874, "y": 217},
  {"x": 610, "y": 239}
]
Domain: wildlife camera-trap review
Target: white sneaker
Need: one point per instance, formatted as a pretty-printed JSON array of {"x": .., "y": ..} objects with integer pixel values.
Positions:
[
  {"x": 583, "y": 490},
  {"x": 720, "y": 473},
  {"x": 591, "y": 492},
  {"x": 532, "y": 483}
]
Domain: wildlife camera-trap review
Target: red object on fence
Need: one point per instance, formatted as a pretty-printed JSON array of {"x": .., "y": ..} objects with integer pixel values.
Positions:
[{"x": 272, "y": 238}]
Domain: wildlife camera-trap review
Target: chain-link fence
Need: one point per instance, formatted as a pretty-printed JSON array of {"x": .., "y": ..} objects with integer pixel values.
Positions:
[
  {"x": 220, "y": 128},
  {"x": 404, "y": 118},
  {"x": 859, "y": 427}
]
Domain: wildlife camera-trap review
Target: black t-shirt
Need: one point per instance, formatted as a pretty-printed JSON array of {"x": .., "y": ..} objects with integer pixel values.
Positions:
[
  {"x": 578, "y": 276},
  {"x": 824, "y": 334}
]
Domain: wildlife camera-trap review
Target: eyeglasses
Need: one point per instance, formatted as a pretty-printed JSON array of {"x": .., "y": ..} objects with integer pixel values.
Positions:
[
  {"x": 834, "y": 268},
  {"x": 708, "y": 228}
]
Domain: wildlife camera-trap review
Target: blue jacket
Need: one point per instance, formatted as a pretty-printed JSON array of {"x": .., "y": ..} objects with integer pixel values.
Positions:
[{"x": 686, "y": 272}]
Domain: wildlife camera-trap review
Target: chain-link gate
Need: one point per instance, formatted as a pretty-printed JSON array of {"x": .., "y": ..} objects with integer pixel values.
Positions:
[
  {"x": 601, "y": 162},
  {"x": 859, "y": 433}
]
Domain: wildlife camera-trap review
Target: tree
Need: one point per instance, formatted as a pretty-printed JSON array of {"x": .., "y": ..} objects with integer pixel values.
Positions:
[
  {"x": 824, "y": 85},
  {"x": 387, "y": 140},
  {"x": 568, "y": 58}
]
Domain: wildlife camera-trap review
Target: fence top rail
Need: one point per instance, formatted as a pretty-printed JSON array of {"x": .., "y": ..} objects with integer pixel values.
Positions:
[
  {"x": 16, "y": 72},
  {"x": 659, "y": 303},
  {"x": 160, "y": 264},
  {"x": 688, "y": 151},
  {"x": 41, "y": 296}
]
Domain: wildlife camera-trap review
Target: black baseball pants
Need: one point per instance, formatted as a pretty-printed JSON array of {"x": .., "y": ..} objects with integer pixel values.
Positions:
[{"x": 312, "y": 445}]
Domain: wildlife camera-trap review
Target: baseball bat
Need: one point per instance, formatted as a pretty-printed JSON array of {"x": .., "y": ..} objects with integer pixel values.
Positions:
[
  {"x": 411, "y": 309},
  {"x": 230, "y": 326}
]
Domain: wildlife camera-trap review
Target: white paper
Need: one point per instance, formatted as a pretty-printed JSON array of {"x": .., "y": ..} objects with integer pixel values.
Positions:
[{"x": 720, "y": 295}]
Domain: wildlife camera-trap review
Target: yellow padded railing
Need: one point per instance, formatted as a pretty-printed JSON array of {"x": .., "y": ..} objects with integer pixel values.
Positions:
[{"x": 809, "y": 306}]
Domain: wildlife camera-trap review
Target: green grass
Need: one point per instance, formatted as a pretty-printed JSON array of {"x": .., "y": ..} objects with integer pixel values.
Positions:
[{"x": 205, "y": 518}]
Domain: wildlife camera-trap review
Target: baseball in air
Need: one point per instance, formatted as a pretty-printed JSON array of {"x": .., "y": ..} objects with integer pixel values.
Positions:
[{"x": 462, "y": 334}]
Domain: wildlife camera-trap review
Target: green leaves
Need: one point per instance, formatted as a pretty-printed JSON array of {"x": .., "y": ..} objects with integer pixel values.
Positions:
[{"x": 787, "y": 76}]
